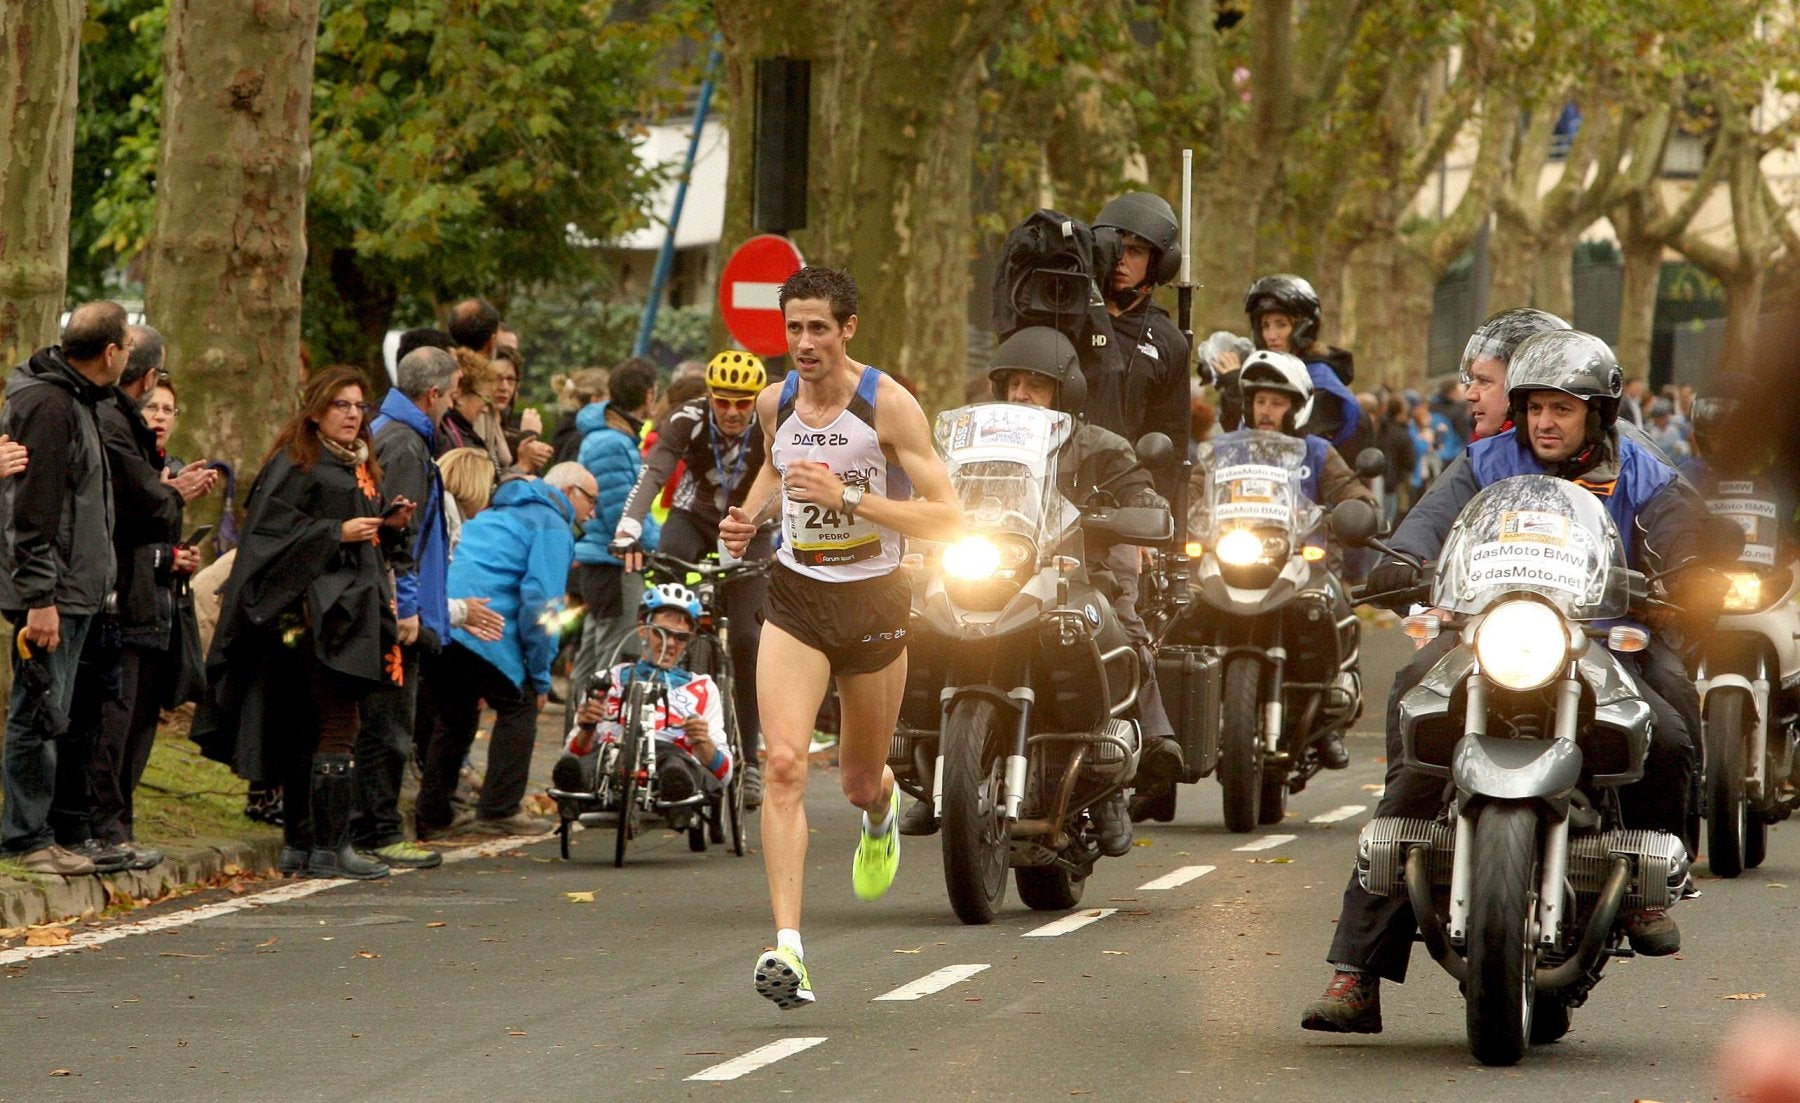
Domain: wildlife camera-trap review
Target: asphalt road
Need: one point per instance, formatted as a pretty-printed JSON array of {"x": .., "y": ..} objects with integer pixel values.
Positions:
[{"x": 487, "y": 979}]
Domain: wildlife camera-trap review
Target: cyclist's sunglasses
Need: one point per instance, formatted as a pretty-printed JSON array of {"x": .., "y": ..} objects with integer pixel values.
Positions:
[
  {"x": 726, "y": 405},
  {"x": 678, "y": 635}
]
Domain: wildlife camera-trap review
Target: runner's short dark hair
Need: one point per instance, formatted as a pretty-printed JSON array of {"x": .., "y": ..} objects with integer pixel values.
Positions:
[{"x": 834, "y": 285}]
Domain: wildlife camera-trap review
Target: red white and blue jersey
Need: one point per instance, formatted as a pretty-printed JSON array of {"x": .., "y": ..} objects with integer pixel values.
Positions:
[{"x": 689, "y": 695}]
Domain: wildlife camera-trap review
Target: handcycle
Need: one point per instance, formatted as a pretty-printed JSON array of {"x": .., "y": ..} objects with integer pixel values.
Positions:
[{"x": 626, "y": 788}]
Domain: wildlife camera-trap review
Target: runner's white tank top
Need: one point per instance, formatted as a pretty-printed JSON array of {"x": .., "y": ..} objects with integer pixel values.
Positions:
[{"x": 822, "y": 543}]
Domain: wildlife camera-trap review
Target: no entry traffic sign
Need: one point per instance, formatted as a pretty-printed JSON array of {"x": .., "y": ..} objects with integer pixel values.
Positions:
[{"x": 749, "y": 288}]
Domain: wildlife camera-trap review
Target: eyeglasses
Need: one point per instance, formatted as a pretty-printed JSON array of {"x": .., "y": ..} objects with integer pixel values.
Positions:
[
  {"x": 726, "y": 405},
  {"x": 586, "y": 493},
  {"x": 160, "y": 408},
  {"x": 344, "y": 406},
  {"x": 676, "y": 635}
]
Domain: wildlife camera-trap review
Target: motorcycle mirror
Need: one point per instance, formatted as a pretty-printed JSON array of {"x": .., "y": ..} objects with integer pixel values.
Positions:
[
  {"x": 1370, "y": 463},
  {"x": 1354, "y": 522},
  {"x": 1154, "y": 449}
]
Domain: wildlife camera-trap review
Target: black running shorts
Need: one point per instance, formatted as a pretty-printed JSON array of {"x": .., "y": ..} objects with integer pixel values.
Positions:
[{"x": 859, "y": 626}]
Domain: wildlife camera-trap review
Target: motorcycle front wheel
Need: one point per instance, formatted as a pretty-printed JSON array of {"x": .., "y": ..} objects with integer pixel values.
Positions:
[
  {"x": 1502, "y": 977},
  {"x": 1727, "y": 816},
  {"x": 976, "y": 841},
  {"x": 1240, "y": 744}
]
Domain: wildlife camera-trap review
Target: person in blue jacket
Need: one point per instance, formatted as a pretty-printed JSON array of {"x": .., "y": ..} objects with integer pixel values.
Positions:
[
  {"x": 1284, "y": 317},
  {"x": 517, "y": 554},
  {"x": 611, "y": 451},
  {"x": 1564, "y": 387}
]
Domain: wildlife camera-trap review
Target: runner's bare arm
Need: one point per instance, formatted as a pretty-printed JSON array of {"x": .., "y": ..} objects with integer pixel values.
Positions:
[{"x": 934, "y": 514}]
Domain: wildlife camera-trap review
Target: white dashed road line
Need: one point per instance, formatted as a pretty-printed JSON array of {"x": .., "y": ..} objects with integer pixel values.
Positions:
[
  {"x": 1070, "y": 923},
  {"x": 1176, "y": 879},
  {"x": 1267, "y": 842},
  {"x": 932, "y": 982},
  {"x": 280, "y": 894},
  {"x": 760, "y": 1057},
  {"x": 1337, "y": 815}
]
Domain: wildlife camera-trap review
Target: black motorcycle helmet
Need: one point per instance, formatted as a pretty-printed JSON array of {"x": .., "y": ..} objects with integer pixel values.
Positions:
[
  {"x": 1044, "y": 351},
  {"x": 1284, "y": 294},
  {"x": 1496, "y": 338},
  {"x": 1151, "y": 218},
  {"x": 1574, "y": 363}
]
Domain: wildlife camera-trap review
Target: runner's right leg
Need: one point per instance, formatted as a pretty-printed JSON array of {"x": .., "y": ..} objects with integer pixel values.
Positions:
[{"x": 791, "y": 681}]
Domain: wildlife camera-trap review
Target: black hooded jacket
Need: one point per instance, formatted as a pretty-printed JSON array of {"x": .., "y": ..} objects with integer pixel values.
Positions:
[
  {"x": 56, "y": 543},
  {"x": 147, "y": 522}
]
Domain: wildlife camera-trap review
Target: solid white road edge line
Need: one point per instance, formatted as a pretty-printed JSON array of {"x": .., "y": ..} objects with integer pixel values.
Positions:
[
  {"x": 1267, "y": 842},
  {"x": 757, "y": 1058},
  {"x": 1177, "y": 878},
  {"x": 281, "y": 894},
  {"x": 1337, "y": 815},
  {"x": 1070, "y": 923},
  {"x": 932, "y": 982}
]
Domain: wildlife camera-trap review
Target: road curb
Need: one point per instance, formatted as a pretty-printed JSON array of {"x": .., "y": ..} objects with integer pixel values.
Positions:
[{"x": 30, "y": 900}]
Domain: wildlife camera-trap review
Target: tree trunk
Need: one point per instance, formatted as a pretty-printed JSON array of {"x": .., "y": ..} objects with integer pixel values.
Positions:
[
  {"x": 1637, "y": 306},
  {"x": 39, "y": 58},
  {"x": 229, "y": 248},
  {"x": 1387, "y": 314},
  {"x": 891, "y": 162},
  {"x": 1743, "y": 314}
]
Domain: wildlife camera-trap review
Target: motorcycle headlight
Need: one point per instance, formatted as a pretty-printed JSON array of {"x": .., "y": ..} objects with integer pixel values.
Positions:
[
  {"x": 972, "y": 557},
  {"x": 1521, "y": 645},
  {"x": 1745, "y": 595},
  {"x": 1239, "y": 548}
]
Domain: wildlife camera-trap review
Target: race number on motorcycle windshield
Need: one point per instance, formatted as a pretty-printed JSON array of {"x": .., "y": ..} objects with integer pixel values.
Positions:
[
  {"x": 1539, "y": 535},
  {"x": 1254, "y": 480},
  {"x": 1002, "y": 462}
]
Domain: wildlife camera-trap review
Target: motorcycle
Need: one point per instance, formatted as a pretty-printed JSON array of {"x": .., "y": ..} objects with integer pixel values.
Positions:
[
  {"x": 1020, "y": 681},
  {"x": 1748, "y": 676},
  {"x": 1264, "y": 663},
  {"x": 1534, "y": 724}
]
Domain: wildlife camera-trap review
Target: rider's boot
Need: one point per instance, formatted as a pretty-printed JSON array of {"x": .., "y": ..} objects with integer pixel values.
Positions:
[
  {"x": 1651, "y": 932},
  {"x": 918, "y": 820},
  {"x": 1158, "y": 805},
  {"x": 1351, "y": 1005},
  {"x": 1332, "y": 754},
  {"x": 1114, "y": 826}
]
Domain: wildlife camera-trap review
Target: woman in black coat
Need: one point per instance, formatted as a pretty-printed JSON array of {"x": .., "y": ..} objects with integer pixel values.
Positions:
[{"x": 306, "y": 623}]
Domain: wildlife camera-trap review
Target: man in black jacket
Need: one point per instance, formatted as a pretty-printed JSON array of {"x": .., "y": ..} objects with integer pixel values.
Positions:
[
  {"x": 118, "y": 690},
  {"x": 56, "y": 561}
]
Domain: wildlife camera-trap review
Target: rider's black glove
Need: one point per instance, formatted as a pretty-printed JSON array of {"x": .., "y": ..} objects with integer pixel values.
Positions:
[
  {"x": 619, "y": 549},
  {"x": 1390, "y": 575}
]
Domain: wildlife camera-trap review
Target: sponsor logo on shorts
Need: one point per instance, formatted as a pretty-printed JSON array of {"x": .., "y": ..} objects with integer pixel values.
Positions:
[{"x": 873, "y": 637}]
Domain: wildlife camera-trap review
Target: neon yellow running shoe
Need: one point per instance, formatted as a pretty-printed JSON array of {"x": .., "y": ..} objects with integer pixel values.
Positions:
[
  {"x": 781, "y": 977},
  {"x": 878, "y": 857}
]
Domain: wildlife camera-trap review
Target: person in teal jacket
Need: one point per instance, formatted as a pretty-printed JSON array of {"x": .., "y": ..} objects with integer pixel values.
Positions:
[{"x": 517, "y": 553}]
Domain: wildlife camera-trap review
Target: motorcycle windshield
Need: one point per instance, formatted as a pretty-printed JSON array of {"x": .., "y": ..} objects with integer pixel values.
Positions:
[
  {"x": 1253, "y": 480},
  {"x": 1539, "y": 535},
  {"x": 1002, "y": 459}
]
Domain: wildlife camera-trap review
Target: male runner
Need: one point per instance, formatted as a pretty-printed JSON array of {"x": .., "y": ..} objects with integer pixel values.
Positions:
[{"x": 838, "y": 603}]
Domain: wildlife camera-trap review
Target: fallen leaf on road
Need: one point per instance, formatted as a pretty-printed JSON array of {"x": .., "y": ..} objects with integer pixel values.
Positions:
[
  {"x": 436, "y": 923},
  {"x": 178, "y": 953},
  {"x": 1117, "y": 953},
  {"x": 1373, "y": 788},
  {"x": 48, "y": 936},
  {"x": 366, "y": 954},
  {"x": 580, "y": 897},
  {"x": 914, "y": 950},
  {"x": 268, "y": 942},
  {"x": 1143, "y": 842},
  {"x": 1776, "y": 885},
  {"x": 515, "y": 1034},
  {"x": 61, "y": 1072},
  {"x": 1269, "y": 861},
  {"x": 1746, "y": 996}
]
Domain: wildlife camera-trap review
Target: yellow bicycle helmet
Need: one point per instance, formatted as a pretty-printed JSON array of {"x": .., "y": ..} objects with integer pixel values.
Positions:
[{"x": 733, "y": 370}]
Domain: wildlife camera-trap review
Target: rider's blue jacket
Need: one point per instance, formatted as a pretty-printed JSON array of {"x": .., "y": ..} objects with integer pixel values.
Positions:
[{"x": 1658, "y": 515}]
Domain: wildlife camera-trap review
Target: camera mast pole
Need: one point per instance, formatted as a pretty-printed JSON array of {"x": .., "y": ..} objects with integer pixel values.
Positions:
[{"x": 1184, "y": 290}]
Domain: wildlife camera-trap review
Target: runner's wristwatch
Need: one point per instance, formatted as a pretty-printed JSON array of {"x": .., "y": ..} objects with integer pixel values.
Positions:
[{"x": 853, "y": 496}]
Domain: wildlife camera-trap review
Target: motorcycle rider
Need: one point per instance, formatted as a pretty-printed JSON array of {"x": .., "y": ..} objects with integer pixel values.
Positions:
[
  {"x": 1734, "y": 445},
  {"x": 1564, "y": 388},
  {"x": 1284, "y": 317},
  {"x": 1279, "y": 398},
  {"x": 1038, "y": 366},
  {"x": 717, "y": 445},
  {"x": 1484, "y": 361},
  {"x": 1154, "y": 350}
]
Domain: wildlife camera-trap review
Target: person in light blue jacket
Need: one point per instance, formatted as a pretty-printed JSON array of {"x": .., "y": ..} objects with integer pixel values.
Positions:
[
  {"x": 517, "y": 554},
  {"x": 610, "y": 451}
]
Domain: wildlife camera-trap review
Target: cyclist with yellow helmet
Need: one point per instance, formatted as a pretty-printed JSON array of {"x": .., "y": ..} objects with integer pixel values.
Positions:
[{"x": 718, "y": 446}]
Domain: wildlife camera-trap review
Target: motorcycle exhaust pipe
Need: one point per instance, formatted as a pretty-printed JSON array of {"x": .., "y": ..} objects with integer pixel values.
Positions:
[
  {"x": 1593, "y": 940},
  {"x": 1431, "y": 928}
]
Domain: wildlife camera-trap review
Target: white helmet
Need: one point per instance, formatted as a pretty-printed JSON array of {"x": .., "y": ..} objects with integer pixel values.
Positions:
[{"x": 1267, "y": 370}]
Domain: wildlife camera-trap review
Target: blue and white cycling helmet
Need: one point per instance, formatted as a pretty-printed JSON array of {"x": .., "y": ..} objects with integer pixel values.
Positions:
[{"x": 670, "y": 595}]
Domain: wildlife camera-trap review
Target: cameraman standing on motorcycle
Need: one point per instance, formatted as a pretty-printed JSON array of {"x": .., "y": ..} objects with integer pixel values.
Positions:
[
  {"x": 1152, "y": 346},
  {"x": 1563, "y": 388}
]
